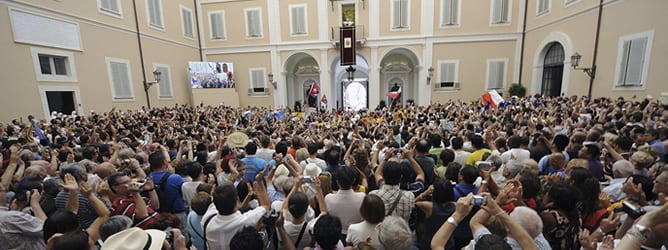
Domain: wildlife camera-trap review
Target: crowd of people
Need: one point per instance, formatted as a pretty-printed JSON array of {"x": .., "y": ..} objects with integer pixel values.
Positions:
[{"x": 533, "y": 173}]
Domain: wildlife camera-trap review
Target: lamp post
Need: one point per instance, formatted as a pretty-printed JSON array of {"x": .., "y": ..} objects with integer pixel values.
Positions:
[
  {"x": 147, "y": 86},
  {"x": 430, "y": 74},
  {"x": 351, "y": 73},
  {"x": 591, "y": 72},
  {"x": 270, "y": 77}
]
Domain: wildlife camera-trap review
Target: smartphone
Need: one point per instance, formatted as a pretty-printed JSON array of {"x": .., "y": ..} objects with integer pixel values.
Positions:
[
  {"x": 483, "y": 165},
  {"x": 306, "y": 179}
]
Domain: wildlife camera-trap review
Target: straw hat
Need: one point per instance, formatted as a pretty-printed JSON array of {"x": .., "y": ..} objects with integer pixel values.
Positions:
[
  {"x": 237, "y": 140},
  {"x": 135, "y": 238}
]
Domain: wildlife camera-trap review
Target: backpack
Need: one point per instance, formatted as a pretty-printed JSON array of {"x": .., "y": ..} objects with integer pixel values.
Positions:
[{"x": 166, "y": 203}]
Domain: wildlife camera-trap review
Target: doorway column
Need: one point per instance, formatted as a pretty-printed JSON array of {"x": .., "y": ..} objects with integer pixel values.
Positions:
[
  {"x": 325, "y": 84},
  {"x": 375, "y": 94}
]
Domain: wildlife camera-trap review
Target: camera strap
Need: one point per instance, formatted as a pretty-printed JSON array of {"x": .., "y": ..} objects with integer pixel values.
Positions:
[
  {"x": 206, "y": 222},
  {"x": 395, "y": 203},
  {"x": 301, "y": 234}
]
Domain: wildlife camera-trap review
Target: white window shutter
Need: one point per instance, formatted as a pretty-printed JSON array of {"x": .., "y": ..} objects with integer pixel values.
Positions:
[
  {"x": 636, "y": 60},
  {"x": 451, "y": 72},
  {"x": 496, "y": 73},
  {"x": 154, "y": 12},
  {"x": 301, "y": 21},
  {"x": 187, "y": 23},
  {"x": 454, "y": 12},
  {"x": 443, "y": 72},
  {"x": 217, "y": 27},
  {"x": 164, "y": 87},
  {"x": 121, "y": 80},
  {"x": 396, "y": 13},
  {"x": 500, "y": 12},
  {"x": 404, "y": 13},
  {"x": 623, "y": 64},
  {"x": 254, "y": 23},
  {"x": 258, "y": 79}
]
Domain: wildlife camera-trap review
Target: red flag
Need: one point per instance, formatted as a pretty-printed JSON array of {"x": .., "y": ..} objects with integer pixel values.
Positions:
[
  {"x": 324, "y": 99},
  {"x": 315, "y": 90}
]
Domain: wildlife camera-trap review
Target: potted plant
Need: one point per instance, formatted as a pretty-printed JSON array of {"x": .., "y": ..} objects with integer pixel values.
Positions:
[{"x": 517, "y": 89}]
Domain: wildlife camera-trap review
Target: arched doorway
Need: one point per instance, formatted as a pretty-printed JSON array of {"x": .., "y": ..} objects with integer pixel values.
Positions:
[
  {"x": 553, "y": 68},
  {"x": 350, "y": 91},
  {"x": 398, "y": 72},
  {"x": 301, "y": 72}
]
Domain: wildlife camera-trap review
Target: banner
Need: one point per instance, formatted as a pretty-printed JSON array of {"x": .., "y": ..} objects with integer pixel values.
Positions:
[{"x": 348, "y": 46}]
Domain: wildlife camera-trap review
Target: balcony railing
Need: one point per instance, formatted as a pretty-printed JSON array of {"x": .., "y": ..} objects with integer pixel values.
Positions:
[{"x": 359, "y": 35}]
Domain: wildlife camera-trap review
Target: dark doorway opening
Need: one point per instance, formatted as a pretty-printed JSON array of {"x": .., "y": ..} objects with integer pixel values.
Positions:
[
  {"x": 553, "y": 69},
  {"x": 61, "y": 101}
]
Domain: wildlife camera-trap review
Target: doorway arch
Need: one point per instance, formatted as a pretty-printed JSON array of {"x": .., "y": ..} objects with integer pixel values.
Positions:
[
  {"x": 340, "y": 81},
  {"x": 301, "y": 72},
  {"x": 553, "y": 68},
  {"x": 398, "y": 67}
]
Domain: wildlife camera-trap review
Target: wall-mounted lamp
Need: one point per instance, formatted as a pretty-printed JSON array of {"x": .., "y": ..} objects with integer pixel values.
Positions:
[
  {"x": 270, "y": 76},
  {"x": 575, "y": 62},
  {"x": 430, "y": 74},
  {"x": 591, "y": 72},
  {"x": 147, "y": 85},
  {"x": 351, "y": 73}
]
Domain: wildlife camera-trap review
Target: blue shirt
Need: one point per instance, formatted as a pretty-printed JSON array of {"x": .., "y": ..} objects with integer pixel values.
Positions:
[
  {"x": 254, "y": 165},
  {"x": 465, "y": 188},
  {"x": 194, "y": 229},
  {"x": 172, "y": 190}
]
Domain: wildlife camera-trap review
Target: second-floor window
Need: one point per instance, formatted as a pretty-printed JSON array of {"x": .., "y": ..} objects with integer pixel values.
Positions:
[
  {"x": 449, "y": 12},
  {"x": 298, "y": 20},
  {"x": 253, "y": 23},
  {"x": 110, "y": 6},
  {"x": 500, "y": 10},
  {"x": 400, "y": 14},
  {"x": 155, "y": 13},
  {"x": 187, "y": 22},
  {"x": 633, "y": 55},
  {"x": 543, "y": 7},
  {"x": 217, "y": 25},
  {"x": 496, "y": 73}
]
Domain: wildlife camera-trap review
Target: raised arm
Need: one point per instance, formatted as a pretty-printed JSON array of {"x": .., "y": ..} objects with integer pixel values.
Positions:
[
  {"x": 441, "y": 236},
  {"x": 416, "y": 167},
  {"x": 260, "y": 191},
  {"x": 6, "y": 178},
  {"x": 35, "y": 197},
  {"x": 101, "y": 210},
  {"x": 72, "y": 193},
  {"x": 514, "y": 229},
  {"x": 319, "y": 195}
]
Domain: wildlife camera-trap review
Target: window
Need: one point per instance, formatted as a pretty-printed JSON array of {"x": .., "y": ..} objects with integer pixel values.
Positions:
[
  {"x": 400, "y": 14},
  {"x": 543, "y": 7},
  {"x": 633, "y": 59},
  {"x": 568, "y": 2},
  {"x": 187, "y": 22},
  {"x": 119, "y": 79},
  {"x": 257, "y": 76},
  {"x": 500, "y": 11},
  {"x": 449, "y": 13},
  {"x": 112, "y": 7},
  {"x": 217, "y": 25},
  {"x": 154, "y": 8},
  {"x": 53, "y": 65},
  {"x": 253, "y": 23},
  {"x": 298, "y": 25},
  {"x": 496, "y": 73},
  {"x": 165, "y": 84},
  {"x": 447, "y": 74}
]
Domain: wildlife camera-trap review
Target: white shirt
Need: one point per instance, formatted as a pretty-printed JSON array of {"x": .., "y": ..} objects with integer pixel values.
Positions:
[
  {"x": 461, "y": 156},
  {"x": 315, "y": 160},
  {"x": 614, "y": 190},
  {"x": 519, "y": 153},
  {"x": 293, "y": 231},
  {"x": 265, "y": 154},
  {"x": 221, "y": 229},
  {"x": 345, "y": 204},
  {"x": 359, "y": 232},
  {"x": 188, "y": 191}
]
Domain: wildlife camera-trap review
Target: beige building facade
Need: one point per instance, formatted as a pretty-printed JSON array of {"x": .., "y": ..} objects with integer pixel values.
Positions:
[{"x": 62, "y": 55}]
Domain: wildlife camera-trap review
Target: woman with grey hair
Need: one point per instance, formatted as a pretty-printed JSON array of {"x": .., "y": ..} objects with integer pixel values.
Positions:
[
  {"x": 114, "y": 225},
  {"x": 512, "y": 169},
  {"x": 394, "y": 233}
]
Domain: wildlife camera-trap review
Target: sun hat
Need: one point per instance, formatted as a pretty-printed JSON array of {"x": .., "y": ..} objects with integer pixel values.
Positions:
[
  {"x": 312, "y": 170},
  {"x": 135, "y": 238},
  {"x": 237, "y": 140}
]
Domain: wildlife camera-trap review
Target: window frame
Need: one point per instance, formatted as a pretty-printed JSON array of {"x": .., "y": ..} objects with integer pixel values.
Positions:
[
  {"x": 645, "y": 67},
  {"x": 252, "y": 87},
  {"x": 132, "y": 97},
  {"x": 547, "y": 10},
  {"x": 71, "y": 75},
  {"x": 509, "y": 13},
  {"x": 569, "y": 3},
  {"x": 504, "y": 82},
  {"x": 109, "y": 12},
  {"x": 305, "y": 21},
  {"x": 456, "y": 85},
  {"x": 168, "y": 73},
  {"x": 259, "y": 17},
  {"x": 408, "y": 16},
  {"x": 441, "y": 19},
  {"x": 160, "y": 14},
  {"x": 183, "y": 24},
  {"x": 211, "y": 35}
]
